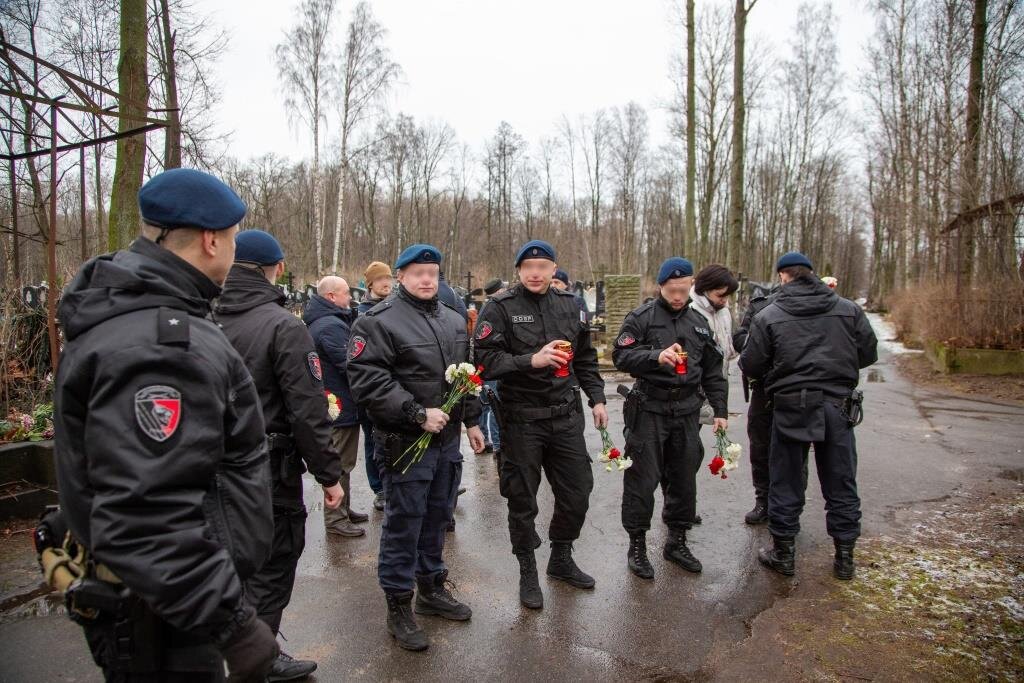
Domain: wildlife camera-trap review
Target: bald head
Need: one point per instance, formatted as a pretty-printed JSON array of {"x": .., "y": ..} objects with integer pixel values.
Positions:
[{"x": 335, "y": 290}]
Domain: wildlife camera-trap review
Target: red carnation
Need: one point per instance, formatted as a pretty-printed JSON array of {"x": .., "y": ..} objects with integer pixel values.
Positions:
[
  {"x": 475, "y": 379},
  {"x": 716, "y": 464},
  {"x": 614, "y": 453}
]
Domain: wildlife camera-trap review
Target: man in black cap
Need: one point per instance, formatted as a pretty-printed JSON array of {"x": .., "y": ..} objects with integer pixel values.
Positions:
[
  {"x": 285, "y": 367},
  {"x": 161, "y": 450},
  {"x": 397, "y": 358},
  {"x": 807, "y": 347},
  {"x": 533, "y": 340},
  {"x": 666, "y": 346}
]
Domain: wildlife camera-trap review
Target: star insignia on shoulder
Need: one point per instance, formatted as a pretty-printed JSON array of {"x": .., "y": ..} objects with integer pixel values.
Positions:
[{"x": 173, "y": 321}]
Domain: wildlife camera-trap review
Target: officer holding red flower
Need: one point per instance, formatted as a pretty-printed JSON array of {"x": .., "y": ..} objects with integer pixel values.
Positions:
[{"x": 666, "y": 346}]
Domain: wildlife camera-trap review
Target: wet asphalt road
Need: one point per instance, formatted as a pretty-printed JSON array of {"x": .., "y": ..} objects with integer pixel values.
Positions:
[{"x": 915, "y": 445}]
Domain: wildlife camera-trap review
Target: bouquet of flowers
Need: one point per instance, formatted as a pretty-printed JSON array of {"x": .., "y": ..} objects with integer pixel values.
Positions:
[
  {"x": 333, "y": 405},
  {"x": 464, "y": 380},
  {"x": 727, "y": 455},
  {"x": 610, "y": 455}
]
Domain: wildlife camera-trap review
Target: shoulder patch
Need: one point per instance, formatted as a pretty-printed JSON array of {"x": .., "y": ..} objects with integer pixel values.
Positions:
[
  {"x": 483, "y": 331},
  {"x": 172, "y": 326},
  {"x": 702, "y": 330},
  {"x": 356, "y": 347},
  {"x": 625, "y": 339},
  {"x": 313, "y": 361},
  {"x": 158, "y": 411}
]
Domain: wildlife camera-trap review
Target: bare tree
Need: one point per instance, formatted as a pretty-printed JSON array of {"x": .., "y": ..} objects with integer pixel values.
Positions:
[
  {"x": 304, "y": 69},
  {"x": 365, "y": 73},
  {"x": 972, "y": 146},
  {"x": 133, "y": 86},
  {"x": 739, "y": 112}
]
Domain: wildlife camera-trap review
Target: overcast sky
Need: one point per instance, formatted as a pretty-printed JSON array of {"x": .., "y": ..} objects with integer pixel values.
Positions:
[{"x": 474, "y": 63}]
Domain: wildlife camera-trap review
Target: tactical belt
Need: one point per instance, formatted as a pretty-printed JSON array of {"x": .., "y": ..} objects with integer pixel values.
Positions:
[
  {"x": 280, "y": 442},
  {"x": 516, "y": 414},
  {"x": 659, "y": 394}
]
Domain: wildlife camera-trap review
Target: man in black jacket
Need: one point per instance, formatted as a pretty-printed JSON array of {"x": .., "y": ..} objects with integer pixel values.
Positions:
[
  {"x": 329, "y": 315},
  {"x": 160, "y": 449},
  {"x": 397, "y": 358},
  {"x": 808, "y": 347},
  {"x": 759, "y": 419},
  {"x": 520, "y": 340},
  {"x": 279, "y": 353},
  {"x": 663, "y": 410}
]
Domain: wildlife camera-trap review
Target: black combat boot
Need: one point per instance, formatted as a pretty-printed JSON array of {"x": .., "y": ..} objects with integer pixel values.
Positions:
[
  {"x": 759, "y": 515},
  {"x": 638, "y": 562},
  {"x": 842, "y": 567},
  {"x": 562, "y": 567},
  {"x": 781, "y": 558},
  {"x": 287, "y": 668},
  {"x": 433, "y": 598},
  {"x": 402, "y": 625},
  {"x": 529, "y": 585},
  {"x": 676, "y": 551}
]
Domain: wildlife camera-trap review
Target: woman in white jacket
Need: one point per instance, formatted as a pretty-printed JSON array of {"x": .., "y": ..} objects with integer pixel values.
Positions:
[{"x": 710, "y": 294}]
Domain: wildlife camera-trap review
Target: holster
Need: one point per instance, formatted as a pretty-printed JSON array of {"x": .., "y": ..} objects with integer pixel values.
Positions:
[
  {"x": 393, "y": 446},
  {"x": 285, "y": 463},
  {"x": 853, "y": 407},
  {"x": 491, "y": 399},
  {"x": 631, "y": 408}
]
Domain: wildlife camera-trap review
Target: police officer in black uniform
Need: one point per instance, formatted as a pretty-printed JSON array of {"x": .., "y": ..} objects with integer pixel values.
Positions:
[
  {"x": 398, "y": 354},
  {"x": 281, "y": 357},
  {"x": 517, "y": 340},
  {"x": 759, "y": 419},
  {"x": 663, "y": 411},
  {"x": 160, "y": 449},
  {"x": 808, "y": 347}
]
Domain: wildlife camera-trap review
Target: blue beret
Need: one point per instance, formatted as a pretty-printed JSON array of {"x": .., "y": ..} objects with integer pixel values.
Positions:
[
  {"x": 186, "y": 198},
  {"x": 793, "y": 258},
  {"x": 535, "y": 249},
  {"x": 256, "y": 246},
  {"x": 418, "y": 253},
  {"x": 674, "y": 267},
  {"x": 563, "y": 276}
]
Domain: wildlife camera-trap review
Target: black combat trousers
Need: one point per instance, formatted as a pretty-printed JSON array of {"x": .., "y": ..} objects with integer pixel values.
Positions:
[
  {"x": 270, "y": 589},
  {"x": 802, "y": 419},
  {"x": 666, "y": 451},
  {"x": 759, "y": 433},
  {"x": 556, "y": 447}
]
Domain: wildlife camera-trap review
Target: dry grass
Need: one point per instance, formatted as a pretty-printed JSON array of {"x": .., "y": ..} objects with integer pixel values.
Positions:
[{"x": 987, "y": 315}]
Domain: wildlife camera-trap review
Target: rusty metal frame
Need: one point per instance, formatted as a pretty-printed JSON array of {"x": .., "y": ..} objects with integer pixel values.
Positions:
[{"x": 75, "y": 98}]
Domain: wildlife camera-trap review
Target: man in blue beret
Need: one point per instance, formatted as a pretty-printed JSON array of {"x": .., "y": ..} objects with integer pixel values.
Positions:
[
  {"x": 397, "y": 357},
  {"x": 807, "y": 348},
  {"x": 534, "y": 341},
  {"x": 279, "y": 352},
  {"x": 161, "y": 445},
  {"x": 667, "y": 347}
]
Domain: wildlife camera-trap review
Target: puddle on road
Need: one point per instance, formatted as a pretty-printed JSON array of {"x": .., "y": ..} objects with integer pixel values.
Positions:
[
  {"x": 1016, "y": 475},
  {"x": 875, "y": 376}
]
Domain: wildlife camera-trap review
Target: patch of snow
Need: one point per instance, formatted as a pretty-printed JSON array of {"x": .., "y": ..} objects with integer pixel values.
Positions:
[{"x": 886, "y": 333}]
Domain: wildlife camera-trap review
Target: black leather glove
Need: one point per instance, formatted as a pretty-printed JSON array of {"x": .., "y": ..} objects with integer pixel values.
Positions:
[{"x": 250, "y": 650}]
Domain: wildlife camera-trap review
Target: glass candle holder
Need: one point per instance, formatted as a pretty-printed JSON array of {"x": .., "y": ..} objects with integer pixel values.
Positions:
[{"x": 563, "y": 370}]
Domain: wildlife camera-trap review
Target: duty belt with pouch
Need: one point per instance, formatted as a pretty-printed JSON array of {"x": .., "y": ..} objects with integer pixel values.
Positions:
[
  {"x": 284, "y": 461},
  {"x": 631, "y": 408},
  {"x": 123, "y": 633},
  {"x": 570, "y": 406}
]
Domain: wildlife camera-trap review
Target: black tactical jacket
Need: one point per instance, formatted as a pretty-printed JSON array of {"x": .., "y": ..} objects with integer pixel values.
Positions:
[
  {"x": 516, "y": 324},
  {"x": 284, "y": 364},
  {"x": 397, "y": 357},
  {"x": 160, "y": 448},
  {"x": 809, "y": 338},
  {"x": 652, "y": 328}
]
